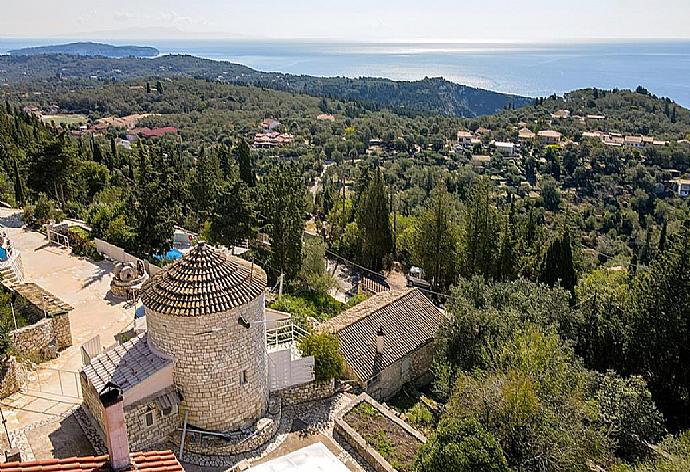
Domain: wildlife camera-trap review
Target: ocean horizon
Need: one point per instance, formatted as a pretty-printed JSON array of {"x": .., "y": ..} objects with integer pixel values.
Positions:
[{"x": 528, "y": 69}]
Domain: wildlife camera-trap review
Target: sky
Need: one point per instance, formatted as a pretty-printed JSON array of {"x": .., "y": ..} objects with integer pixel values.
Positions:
[{"x": 350, "y": 20}]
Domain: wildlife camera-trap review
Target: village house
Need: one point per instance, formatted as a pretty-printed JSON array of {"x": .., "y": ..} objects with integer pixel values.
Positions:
[
  {"x": 269, "y": 124},
  {"x": 464, "y": 138},
  {"x": 525, "y": 134},
  {"x": 633, "y": 141},
  {"x": 549, "y": 137},
  {"x": 272, "y": 139},
  {"x": 561, "y": 114},
  {"x": 680, "y": 187},
  {"x": 387, "y": 340},
  {"x": 505, "y": 149},
  {"x": 325, "y": 117}
]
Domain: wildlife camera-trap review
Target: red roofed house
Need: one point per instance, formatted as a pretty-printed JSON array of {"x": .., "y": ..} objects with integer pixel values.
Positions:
[{"x": 154, "y": 132}]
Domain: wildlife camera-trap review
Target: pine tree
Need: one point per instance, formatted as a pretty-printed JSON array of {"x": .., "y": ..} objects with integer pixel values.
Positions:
[
  {"x": 159, "y": 87},
  {"x": 148, "y": 87},
  {"x": 374, "y": 222}
]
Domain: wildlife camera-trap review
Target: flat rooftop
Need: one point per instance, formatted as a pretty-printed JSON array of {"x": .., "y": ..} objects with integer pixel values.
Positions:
[{"x": 313, "y": 458}]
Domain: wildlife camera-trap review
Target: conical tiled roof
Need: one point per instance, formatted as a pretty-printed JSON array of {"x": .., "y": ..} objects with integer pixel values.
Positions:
[{"x": 203, "y": 282}]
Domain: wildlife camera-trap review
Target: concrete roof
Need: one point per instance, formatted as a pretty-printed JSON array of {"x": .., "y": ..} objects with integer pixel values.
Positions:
[{"x": 313, "y": 458}]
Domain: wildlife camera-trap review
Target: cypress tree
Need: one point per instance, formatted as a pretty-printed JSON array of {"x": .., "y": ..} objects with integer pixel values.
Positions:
[
  {"x": 246, "y": 163},
  {"x": 374, "y": 222}
]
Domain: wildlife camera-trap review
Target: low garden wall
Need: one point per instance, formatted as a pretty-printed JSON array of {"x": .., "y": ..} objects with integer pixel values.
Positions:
[
  {"x": 9, "y": 377},
  {"x": 306, "y": 392},
  {"x": 373, "y": 458},
  {"x": 43, "y": 338}
]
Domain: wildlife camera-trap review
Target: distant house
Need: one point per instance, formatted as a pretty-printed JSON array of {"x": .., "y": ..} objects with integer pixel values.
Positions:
[
  {"x": 561, "y": 114},
  {"x": 633, "y": 141},
  {"x": 525, "y": 134},
  {"x": 270, "y": 124},
  {"x": 480, "y": 161},
  {"x": 464, "y": 138},
  {"x": 387, "y": 340},
  {"x": 596, "y": 117},
  {"x": 325, "y": 117},
  {"x": 549, "y": 137},
  {"x": 680, "y": 187},
  {"x": 506, "y": 149},
  {"x": 481, "y": 131},
  {"x": 272, "y": 139},
  {"x": 154, "y": 132}
]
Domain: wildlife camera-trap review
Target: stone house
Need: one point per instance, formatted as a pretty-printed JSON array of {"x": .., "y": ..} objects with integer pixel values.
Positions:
[
  {"x": 387, "y": 340},
  {"x": 549, "y": 137}
]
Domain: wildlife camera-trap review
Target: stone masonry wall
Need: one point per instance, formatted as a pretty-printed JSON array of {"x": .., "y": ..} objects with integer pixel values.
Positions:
[
  {"x": 393, "y": 377},
  {"x": 306, "y": 392},
  {"x": 62, "y": 331},
  {"x": 141, "y": 436},
  {"x": 92, "y": 403},
  {"x": 211, "y": 352},
  {"x": 9, "y": 381},
  {"x": 38, "y": 337}
]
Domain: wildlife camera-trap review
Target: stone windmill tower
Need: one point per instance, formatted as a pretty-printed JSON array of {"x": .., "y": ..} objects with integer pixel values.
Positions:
[{"x": 206, "y": 311}]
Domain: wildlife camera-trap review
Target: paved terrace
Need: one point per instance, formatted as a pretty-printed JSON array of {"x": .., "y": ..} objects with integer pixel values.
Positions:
[{"x": 82, "y": 284}]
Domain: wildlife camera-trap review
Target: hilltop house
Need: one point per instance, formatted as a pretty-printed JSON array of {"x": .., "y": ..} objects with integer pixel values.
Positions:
[
  {"x": 506, "y": 149},
  {"x": 269, "y": 124},
  {"x": 464, "y": 138},
  {"x": 680, "y": 187},
  {"x": 387, "y": 340},
  {"x": 549, "y": 137},
  {"x": 525, "y": 134}
]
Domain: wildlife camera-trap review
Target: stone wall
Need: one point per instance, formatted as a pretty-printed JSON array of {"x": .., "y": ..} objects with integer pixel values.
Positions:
[
  {"x": 413, "y": 368},
  {"x": 211, "y": 354},
  {"x": 306, "y": 392},
  {"x": 92, "y": 403},
  {"x": 359, "y": 444},
  {"x": 9, "y": 377},
  {"x": 43, "y": 338},
  {"x": 141, "y": 436},
  {"x": 261, "y": 432}
]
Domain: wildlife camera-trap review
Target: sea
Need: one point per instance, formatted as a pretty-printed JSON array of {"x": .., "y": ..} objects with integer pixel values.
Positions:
[{"x": 535, "y": 70}]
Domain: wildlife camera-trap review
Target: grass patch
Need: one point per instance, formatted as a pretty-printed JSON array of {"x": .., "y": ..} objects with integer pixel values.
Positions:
[{"x": 67, "y": 119}]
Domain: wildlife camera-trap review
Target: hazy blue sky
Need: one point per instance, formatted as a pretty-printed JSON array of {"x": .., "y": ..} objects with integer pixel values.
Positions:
[{"x": 365, "y": 20}]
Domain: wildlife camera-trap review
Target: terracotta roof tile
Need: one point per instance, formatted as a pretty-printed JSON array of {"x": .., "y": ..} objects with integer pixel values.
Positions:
[
  {"x": 125, "y": 365},
  {"x": 408, "y": 319},
  {"x": 203, "y": 282},
  {"x": 150, "y": 461}
]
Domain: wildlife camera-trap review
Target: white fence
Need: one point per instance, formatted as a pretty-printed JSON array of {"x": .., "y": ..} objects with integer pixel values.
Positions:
[
  {"x": 284, "y": 371},
  {"x": 118, "y": 254}
]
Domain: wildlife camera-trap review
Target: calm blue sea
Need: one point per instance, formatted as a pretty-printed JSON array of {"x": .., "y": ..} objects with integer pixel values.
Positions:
[{"x": 663, "y": 67}]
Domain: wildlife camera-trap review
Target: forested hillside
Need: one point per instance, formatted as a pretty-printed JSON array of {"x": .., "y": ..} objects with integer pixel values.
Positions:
[
  {"x": 436, "y": 96},
  {"x": 563, "y": 265}
]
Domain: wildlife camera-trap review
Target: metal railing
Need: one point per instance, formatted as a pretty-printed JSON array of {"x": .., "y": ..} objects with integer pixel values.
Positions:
[{"x": 285, "y": 334}]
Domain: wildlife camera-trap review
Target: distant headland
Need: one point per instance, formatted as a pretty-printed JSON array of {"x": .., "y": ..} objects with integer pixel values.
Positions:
[{"x": 89, "y": 49}]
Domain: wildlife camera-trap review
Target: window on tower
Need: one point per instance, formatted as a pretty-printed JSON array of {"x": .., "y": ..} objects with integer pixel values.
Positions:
[{"x": 243, "y": 377}]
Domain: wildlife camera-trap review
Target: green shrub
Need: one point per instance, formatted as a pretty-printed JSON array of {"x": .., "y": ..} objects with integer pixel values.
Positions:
[
  {"x": 81, "y": 244},
  {"x": 328, "y": 362}
]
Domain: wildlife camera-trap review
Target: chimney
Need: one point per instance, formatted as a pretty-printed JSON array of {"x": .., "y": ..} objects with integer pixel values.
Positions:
[
  {"x": 380, "y": 336},
  {"x": 115, "y": 427}
]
